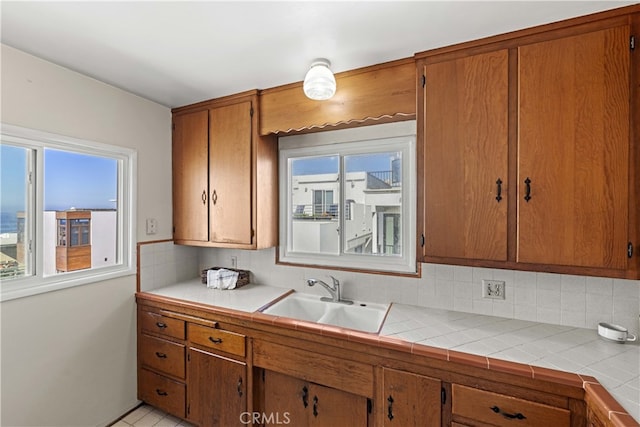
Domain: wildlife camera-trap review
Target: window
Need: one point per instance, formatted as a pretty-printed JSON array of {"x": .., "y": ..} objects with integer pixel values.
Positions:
[
  {"x": 67, "y": 212},
  {"x": 347, "y": 198}
]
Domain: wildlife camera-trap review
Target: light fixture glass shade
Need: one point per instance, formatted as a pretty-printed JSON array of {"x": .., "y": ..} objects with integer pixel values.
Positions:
[{"x": 319, "y": 83}]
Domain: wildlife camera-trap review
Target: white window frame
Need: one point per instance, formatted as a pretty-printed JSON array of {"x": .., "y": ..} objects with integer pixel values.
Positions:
[
  {"x": 35, "y": 283},
  {"x": 377, "y": 138}
]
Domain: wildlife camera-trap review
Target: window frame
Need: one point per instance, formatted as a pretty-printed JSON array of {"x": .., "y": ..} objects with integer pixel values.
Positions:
[
  {"x": 36, "y": 283},
  {"x": 400, "y": 136}
]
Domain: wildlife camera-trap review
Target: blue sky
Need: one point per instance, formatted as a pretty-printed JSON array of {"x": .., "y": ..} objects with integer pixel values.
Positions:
[
  {"x": 329, "y": 164},
  {"x": 71, "y": 180}
]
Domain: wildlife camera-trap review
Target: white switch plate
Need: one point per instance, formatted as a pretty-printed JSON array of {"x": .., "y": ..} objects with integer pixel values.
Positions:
[{"x": 152, "y": 226}]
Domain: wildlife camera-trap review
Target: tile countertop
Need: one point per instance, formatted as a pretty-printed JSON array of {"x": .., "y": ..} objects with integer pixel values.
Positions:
[{"x": 574, "y": 350}]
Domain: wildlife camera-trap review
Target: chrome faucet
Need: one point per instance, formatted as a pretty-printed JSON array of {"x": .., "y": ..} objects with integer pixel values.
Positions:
[{"x": 333, "y": 290}]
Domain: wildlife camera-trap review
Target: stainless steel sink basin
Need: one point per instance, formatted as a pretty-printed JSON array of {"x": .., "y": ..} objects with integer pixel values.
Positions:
[{"x": 362, "y": 316}]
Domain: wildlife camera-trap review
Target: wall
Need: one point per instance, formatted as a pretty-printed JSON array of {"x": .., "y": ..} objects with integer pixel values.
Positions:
[
  {"x": 561, "y": 299},
  {"x": 68, "y": 357}
]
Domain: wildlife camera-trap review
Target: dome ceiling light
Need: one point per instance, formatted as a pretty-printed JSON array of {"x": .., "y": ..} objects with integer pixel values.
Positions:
[{"x": 319, "y": 83}]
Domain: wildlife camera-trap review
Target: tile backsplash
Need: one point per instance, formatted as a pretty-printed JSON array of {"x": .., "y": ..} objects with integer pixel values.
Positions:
[{"x": 560, "y": 299}]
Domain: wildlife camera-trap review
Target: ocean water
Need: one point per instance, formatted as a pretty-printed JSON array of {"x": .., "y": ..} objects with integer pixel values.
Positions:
[{"x": 8, "y": 222}]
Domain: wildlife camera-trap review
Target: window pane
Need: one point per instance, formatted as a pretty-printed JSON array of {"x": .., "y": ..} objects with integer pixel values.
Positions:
[
  {"x": 315, "y": 223},
  {"x": 15, "y": 222},
  {"x": 373, "y": 198},
  {"x": 80, "y": 205}
]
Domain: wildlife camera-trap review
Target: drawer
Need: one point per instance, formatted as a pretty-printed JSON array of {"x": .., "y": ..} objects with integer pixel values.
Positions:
[
  {"x": 159, "y": 324},
  {"x": 502, "y": 410},
  {"x": 217, "y": 339},
  {"x": 162, "y": 355},
  {"x": 161, "y": 392}
]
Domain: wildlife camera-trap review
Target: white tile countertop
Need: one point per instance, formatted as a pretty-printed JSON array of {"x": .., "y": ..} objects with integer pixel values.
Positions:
[
  {"x": 564, "y": 348},
  {"x": 247, "y": 298},
  {"x": 575, "y": 350}
]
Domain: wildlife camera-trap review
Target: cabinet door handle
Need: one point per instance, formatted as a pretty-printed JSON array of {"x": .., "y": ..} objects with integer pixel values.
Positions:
[
  {"x": 214, "y": 197},
  {"x": 161, "y": 392},
  {"x": 527, "y": 190},
  {"x": 161, "y": 325},
  {"x": 161, "y": 355},
  {"x": 499, "y": 190},
  {"x": 215, "y": 340},
  {"x": 240, "y": 386},
  {"x": 305, "y": 396},
  {"x": 204, "y": 197},
  {"x": 390, "y": 408},
  {"x": 315, "y": 406},
  {"x": 516, "y": 416}
]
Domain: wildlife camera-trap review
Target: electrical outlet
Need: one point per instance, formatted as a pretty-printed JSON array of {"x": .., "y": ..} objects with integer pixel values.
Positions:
[
  {"x": 234, "y": 262},
  {"x": 493, "y": 289}
]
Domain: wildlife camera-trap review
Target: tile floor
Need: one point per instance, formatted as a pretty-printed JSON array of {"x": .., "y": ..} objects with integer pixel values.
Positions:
[{"x": 148, "y": 416}]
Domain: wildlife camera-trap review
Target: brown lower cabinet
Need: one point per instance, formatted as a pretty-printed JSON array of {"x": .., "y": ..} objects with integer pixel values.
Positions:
[
  {"x": 409, "y": 399},
  {"x": 213, "y": 368},
  {"x": 217, "y": 389},
  {"x": 290, "y": 400}
]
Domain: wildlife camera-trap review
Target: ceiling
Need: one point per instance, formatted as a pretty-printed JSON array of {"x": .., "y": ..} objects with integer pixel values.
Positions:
[{"x": 177, "y": 53}]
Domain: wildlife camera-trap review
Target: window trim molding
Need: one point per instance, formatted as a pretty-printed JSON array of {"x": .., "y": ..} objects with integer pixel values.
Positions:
[
  {"x": 127, "y": 176},
  {"x": 323, "y": 143}
]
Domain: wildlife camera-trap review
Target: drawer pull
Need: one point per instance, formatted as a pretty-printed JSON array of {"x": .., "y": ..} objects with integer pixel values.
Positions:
[
  {"x": 517, "y": 416},
  {"x": 161, "y": 392},
  {"x": 240, "y": 386},
  {"x": 161, "y": 355},
  {"x": 161, "y": 325},
  {"x": 390, "y": 408},
  {"x": 315, "y": 406},
  {"x": 305, "y": 396},
  {"x": 215, "y": 340}
]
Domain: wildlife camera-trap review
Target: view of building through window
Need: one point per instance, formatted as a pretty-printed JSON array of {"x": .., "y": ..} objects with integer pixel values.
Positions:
[
  {"x": 371, "y": 204},
  {"x": 79, "y": 221}
]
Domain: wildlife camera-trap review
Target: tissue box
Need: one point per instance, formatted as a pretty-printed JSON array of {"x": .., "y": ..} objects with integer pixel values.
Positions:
[{"x": 243, "y": 275}]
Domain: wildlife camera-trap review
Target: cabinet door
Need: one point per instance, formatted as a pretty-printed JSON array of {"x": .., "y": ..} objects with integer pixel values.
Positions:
[
  {"x": 216, "y": 390},
  {"x": 231, "y": 174},
  {"x": 286, "y": 398},
  {"x": 410, "y": 399},
  {"x": 573, "y": 150},
  {"x": 190, "y": 185},
  {"x": 466, "y": 157},
  {"x": 298, "y": 402}
]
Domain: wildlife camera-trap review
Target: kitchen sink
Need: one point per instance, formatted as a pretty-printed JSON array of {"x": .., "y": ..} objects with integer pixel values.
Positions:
[{"x": 362, "y": 316}]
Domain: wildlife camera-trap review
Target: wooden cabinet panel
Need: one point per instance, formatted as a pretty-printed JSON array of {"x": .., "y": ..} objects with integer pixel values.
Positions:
[
  {"x": 500, "y": 410},
  {"x": 162, "y": 355},
  {"x": 372, "y": 93},
  {"x": 409, "y": 399},
  {"x": 217, "y": 339},
  {"x": 217, "y": 390},
  {"x": 307, "y": 404},
  {"x": 231, "y": 173},
  {"x": 190, "y": 176},
  {"x": 349, "y": 375},
  {"x": 573, "y": 146},
  {"x": 161, "y": 392},
  {"x": 466, "y": 157},
  {"x": 159, "y": 324}
]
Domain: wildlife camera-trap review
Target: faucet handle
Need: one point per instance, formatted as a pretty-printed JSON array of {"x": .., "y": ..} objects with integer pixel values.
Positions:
[{"x": 336, "y": 282}]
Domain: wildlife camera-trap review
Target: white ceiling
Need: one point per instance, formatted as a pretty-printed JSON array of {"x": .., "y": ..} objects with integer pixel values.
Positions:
[{"x": 177, "y": 53}]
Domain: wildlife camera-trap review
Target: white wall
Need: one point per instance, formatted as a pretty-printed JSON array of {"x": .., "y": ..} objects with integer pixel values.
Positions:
[{"x": 69, "y": 357}]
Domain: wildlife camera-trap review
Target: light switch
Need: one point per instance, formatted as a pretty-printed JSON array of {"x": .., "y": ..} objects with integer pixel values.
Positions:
[{"x": 152, "y": 226}]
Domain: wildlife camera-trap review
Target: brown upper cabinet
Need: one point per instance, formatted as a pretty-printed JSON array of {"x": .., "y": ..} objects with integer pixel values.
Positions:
[
  {"x": 376, "y": 94},
  {"x": 225, "y": 190},
  {"x": 528, "y": 158}
]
